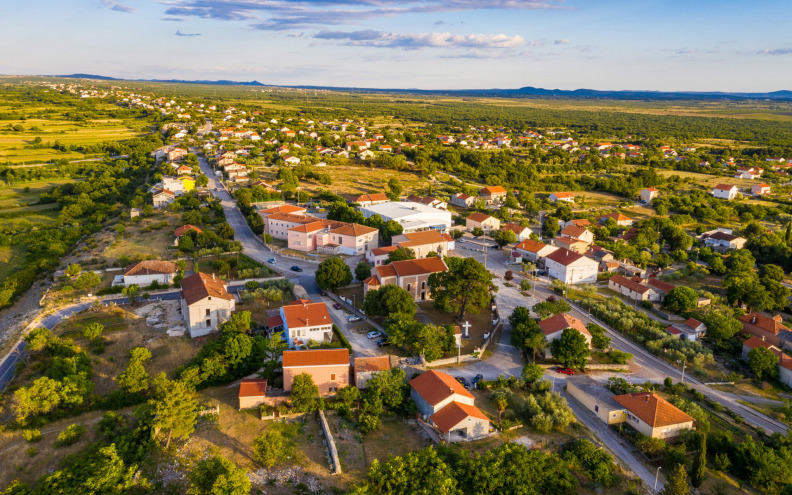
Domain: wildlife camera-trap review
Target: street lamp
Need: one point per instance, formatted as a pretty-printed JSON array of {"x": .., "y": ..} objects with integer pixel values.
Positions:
[{"x": 657, "y": 474}]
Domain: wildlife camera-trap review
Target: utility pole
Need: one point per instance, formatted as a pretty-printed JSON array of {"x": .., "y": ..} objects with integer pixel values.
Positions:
[
  {"x": 684, "y": 362},
  {"x": 657, "y": 475}
]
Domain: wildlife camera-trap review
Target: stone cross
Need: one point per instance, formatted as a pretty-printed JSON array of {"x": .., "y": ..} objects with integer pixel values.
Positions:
[{"x": 467, "y": 326}]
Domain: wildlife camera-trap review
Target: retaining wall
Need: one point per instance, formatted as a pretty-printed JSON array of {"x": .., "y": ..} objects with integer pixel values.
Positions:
[{"x": 330, "y": 444}]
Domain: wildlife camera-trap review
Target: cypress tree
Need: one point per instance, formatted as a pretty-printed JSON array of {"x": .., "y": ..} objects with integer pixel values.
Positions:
[{"x": 697, "y": 474}]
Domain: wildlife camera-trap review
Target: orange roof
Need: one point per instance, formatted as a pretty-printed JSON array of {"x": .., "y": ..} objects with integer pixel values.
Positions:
[
  {"x": 372, "y": 281},
  {"x": 282, "y": 209},
  {"x": 308, "y": 227},
  {"x": 489, "y": 190},
  {"x": 568, "y": 240},
  {"x": 370, "y": 364},
  {"x": 383, "y": 250},
  {"x": 184, "y": 229},
  {"x": 200, "y": 285},
  {"x": 617, "y": 217},
  {"x": 252, "y": 387},
  {"x": 353, "y": 230},
  {"x": 774, "y": 324},
  {"x": 563, "y": 194},
  {"x": 724, "y": 187},
  {"x": 316, "y": 357},
  {"x": 560, "y": 322},
  {"x": 573, "y": 231},
  {"x": 289, "y": 217},
  {"x": 754, "y": 342},
  {"x": 386, "y": 271},
  {"x": 274, "y": 321},
  {"x": 363, "y": 198},
  {"x": 630, "y": 284},
  {"x": 660, "y": 284},
  {"x": 454, "y": 413},
  {"x": 150, "y": 267},
  {"x": 479, "y": 217},
  {"x": 514, "y": 227},
  {"x": 424, "y": 237},
  {"x": 531, "y": 246},
  {"x": 579, "y": 222},
  {"x": 306, "y": 314},
  {"x": 418, "y": 267},
  {"x": 652, "y": 409},
  {"x": 564, "y": 256},
  {"x": 434, "y": 387}
]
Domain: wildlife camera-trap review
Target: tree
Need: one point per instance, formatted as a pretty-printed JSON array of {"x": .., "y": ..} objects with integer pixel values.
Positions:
[
  {"x": 389, "y": 229},
  {"x": 87, "y": 280},
  {"x": 135, "y": 378},
  {"x": 676, "y": 482},
  {"x": 720, "y": 327},
  {"x": 346, "y": 397},
  {"x": 273, "y": 346},
  {"x": 270, "y": 448},
  {"x": 501, "y": 402},
  {"x": 598, "y": 338},
  {"x": 532, "y": 372},
  {"x": 763, "y": 362},
  {"x": 305, "y": 394},
  {"x": 465, "y": 287},
  {"x": 389, "y": 300},
  {"x": 571, "y": 349},
  {"x": 423, "y": 471},
  {"x": 504, "y": 237},
  {"x": 740, "y": 261},
  {"x": 73, "y": 270},
  {"x": 362, "y": 271},
  {"x": 550, "y": 227},
  {"x": 332, "y": 274},
  {"x": 551, "y": 307},
  {"x": 477, "y": 232},
  {"x": 202, "y": 181},
  {"x": 93, "y": 331},
  {"x": 401, "y": 253},
  {"x": 680, "y": 299},
  {"x": 218, "y": 476},
  {"x": 175, "y": 410},
  {"x": 132, "y": 292},
  {"x": 387, "y": 386},
  {"x": 699, "y": 463},
  {"x": 394, "y": 189}
]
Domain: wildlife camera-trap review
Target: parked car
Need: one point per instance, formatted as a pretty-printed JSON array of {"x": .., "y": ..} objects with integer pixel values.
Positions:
[
  {"x": 463, "y": 381},
  {"x": 374, "y": 334},
  {"x": 477, "y": 379},
  {"x": 565, "y": 371},
  {"x": 353, "y": 318},
  {"x": 322, "y": 293},
  {"x": 296, "y": 268},
  {"x": 336, "y": 306},
  {"x": 271, "y": 261},
  {"x": 382, "y": 342}
]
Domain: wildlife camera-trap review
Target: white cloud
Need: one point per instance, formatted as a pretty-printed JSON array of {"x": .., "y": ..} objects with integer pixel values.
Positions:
[
  {"x": 423, "y": 40},
  {"x": 119, "y": 7}
]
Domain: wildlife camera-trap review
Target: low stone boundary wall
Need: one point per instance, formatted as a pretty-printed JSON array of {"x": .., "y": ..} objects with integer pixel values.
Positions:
[
  {"x": 331, "y": 446},
  {"x": 596, "y": 367}
]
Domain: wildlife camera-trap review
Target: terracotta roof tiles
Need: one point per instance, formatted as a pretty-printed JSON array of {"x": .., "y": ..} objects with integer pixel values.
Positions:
[
  {"x": 454, "y": 413},
  {"x": 434, "y": 387},
  {"x": 315, "y": 357},
  {"x": 652, "y": 409}
]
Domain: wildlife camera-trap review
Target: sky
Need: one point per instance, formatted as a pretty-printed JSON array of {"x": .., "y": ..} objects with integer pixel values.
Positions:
[{"x": 664, "y": 45}]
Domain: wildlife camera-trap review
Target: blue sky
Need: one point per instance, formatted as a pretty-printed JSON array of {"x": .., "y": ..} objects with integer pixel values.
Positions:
[{"x": 601, "y": 44}]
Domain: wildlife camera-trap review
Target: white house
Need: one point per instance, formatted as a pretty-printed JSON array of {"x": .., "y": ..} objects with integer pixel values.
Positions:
[
  {"x": 413, "y": 217},
  {"x": 535, "y": 251},
  {"x": 691, "y": 329},
  {"x": 144, "y": 273},
  {"x": 760, "y": 189},
  {"x": 463, "y": 200},
  {"x": 162, "y": 199},
  {"x": 205, "y": 303},
  {"x": 554, "y": 327},
  {"x": 576, "y": 232},
  {"x": 444, "y": 403},
  {"x": 562, "y": 196},
  {"x": 571, "y": 267},
  {"x": 725, "y": 191},
  {"x": 648, "y": 194},
  {"x": 304, "y": 321}
]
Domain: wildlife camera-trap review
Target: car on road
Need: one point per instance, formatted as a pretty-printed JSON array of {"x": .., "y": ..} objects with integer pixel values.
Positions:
[
  {"x": 322, "y": 293},
  {"x": 296, "y": 268},
  {"x": 353, "y": 318},
  {"x": 460, "y": 240},
  {"x": 382, "y": 342},
  {"x": 564, "y": 371},
  {"x": 271, "y": 261},
  {"x": 463, "y": 381},
  {"x": 477, "y": 379},
  {"x": 336, "y": 306},
  {"x": 374, "y": 334}
]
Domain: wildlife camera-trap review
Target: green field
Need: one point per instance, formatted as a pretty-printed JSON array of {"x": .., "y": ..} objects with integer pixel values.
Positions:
[
  {"x": 21, "y": 195},
  {"x": 10, "y": 259}
]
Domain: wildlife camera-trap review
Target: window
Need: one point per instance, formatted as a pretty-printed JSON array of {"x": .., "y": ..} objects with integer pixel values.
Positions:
[
  {"x": 596, "y": 408},
  {"x": 423, "y": 285},
  {"x": 208, "y": 323},
  {"x": 409, "y": 286},
  {"x": 207, "y": 312},
  {"x": 332, "y": 376},
  {"x": 210, "y": 298}
]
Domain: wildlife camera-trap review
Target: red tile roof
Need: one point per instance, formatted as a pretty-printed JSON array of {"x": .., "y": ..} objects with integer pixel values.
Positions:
[
  {"x": 560, "y": 322},
  {"x": 200, "y": 285},
  {"x": 514, "y": 227},
  {"x": 478, "y": 217},
  {"x": 252, "y": 387},
  {"x": 434, "y": 387},
  {"x": 454, "y": 413},
  {"x": 565, "y": 256},
  {"x": 532, "y": 246},
  {"x": 371, "y": 364},
  {"x": 274, "y": 321},
  {"x": 660, "y": 284},
  {"x": 652, "y": 409},
  {"x": 725, "y": 187},
  {"x": 630, "y": 284},
  {"x": 490, "y": 190},
  {"x": 315, "y": 357},
  {"x": 364, "y": 198},
  {"x": 354, "y": 230},
  {"x": 308, "y": 314},
  {"x": 383, "y": 250},
  {"x": 573, "y": 231},
  {"x": 282, "y": 209},
  {"x": 773, "y": 325},
  {"x": 563, "y": 195},
  {"x": 150, "y": 267},
  {"x": 184, "y": 229},
  {"x": 418, "y": 267}
]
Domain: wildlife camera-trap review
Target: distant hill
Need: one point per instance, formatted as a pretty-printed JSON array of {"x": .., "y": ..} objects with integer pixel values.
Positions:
[{"x": 525, "y": 92}]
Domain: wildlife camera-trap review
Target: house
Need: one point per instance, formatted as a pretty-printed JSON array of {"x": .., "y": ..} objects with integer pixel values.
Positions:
[
  {"x": 653, "y": 416},
  {"x": 784, "y": 361},
  {"x": 577, "y": 222},
  {"x": 576, "y": 232},
  {"x": 621, "y": 220},
  {"x": 251, "y": 393},
  {"x": 571, "y": 267},
  {"x": 482, "y": 221},
  {"x": 205, "y": 303},
  {"x": 291, "y": 160},
  {"x": 535, "y": 251},
  {"x": 329, "y": 368},
  {"x": 562, "y": 196},
  {"x": 492, "y": 194},
  {"x": 413, "y": 217},
  {"x": 184, "y": 170},
  {"x": 725, "y": 191},
  {"x": 520, "y": 231},
  {"x": 660, "y": 286},
  {"x": 145, "y": 273},
  {"x": 428, "y": 201},
  {"x": 410, "y": 275},
  {"x": 748, "y": 173},
  {"x": 554, "y": 327},
  {"x": 378, "y": 256},
  {"x": 305, "y": 321},
  {"x": 691, "y": 329},
  {"x": 176, "y": 154},
  {"x": 135, "y": 212},
  {"x": 292, "y": 209},
  {"x": 365, "y": 367},
  {"x": 184, "y": 229},
  {"x": 633, "y": 289},
  {"x": 163, "y": 198},
  {"x": 574, "y": 245},
  {"x": 648, "y": 194},
  {"x": 278, "y": 224},
  {"x": 596, "y": 398},
  {"x": 463, "y": 200},
  {"x": 771, "y": 330},
  {"x": 332, "y": 237},
  {"x": 760, "y": 189},
  {"x": 722, "y": 242},
  {"x": 369, "y": 199},
  {"x": 444, "y": 403},
  {"x": 423, "y": 243}
]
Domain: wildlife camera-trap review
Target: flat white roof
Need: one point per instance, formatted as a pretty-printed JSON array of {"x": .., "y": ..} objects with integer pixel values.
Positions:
[{"x": 395, "y": 211}]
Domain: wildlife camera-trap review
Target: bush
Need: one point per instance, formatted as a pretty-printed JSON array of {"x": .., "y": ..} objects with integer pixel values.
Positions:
[
  {"x": 31, "y": 436},
  {"x": 647, "y": 304},
  {"x": 70, "y": 436},
  {"x": 525, "y": 285}
]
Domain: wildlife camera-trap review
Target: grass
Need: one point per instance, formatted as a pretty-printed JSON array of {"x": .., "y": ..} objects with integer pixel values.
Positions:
[
  {"x": 134, "y": 242},
  {"x": 352, "y": 292},
  {"x": 23, "y": 194},
  {"x": 244, "y": 263},
  {"x": 11, "y": 258},
  {"x": 481, "y": 323},
  {"x": 259, "y": 309}
]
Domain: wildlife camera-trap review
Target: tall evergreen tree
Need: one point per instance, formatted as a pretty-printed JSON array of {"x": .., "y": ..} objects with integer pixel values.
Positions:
[
  {"x": 676, "y": 482},
  {"x": 697, "y": 474}
]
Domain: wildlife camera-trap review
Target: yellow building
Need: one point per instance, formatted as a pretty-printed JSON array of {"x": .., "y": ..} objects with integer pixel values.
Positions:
[
  {"x": 189, "y": 183},
  {"x": 596, "y": 398}
]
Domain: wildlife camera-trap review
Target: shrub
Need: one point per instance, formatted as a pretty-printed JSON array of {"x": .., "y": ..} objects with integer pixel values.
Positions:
[
  {"x": 525, "y": 285},
  {"x": 70, "y": 435},
  {"x": 31, "y": 436}
]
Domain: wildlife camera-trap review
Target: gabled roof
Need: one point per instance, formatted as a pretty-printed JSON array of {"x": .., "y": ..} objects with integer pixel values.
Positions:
[
  {"x": 434, "y": 387},
  {"x": 454, "y": 413},
  {"x": 568, "y": 240},
  {"x": 353, "y": 230},
  {"x": 573, "y": 231},
  {"x": 308, "y": 227},
  {"x": 371, "y": 364},
  {"x": 565, "y": 257},
  {"x": 532, "y": 246},
  {"x": 563, "y": 194},
  {"x": 773, "y": 325},
  {"x": 652, "y": 409},
  {"x": 252, "y": 387},
  {"x": 363, "y": 198},
  {"x": 618, "y": 217},
  {"x": 383, "y": 250},
  {"x": 184, "y": 229},
  {"x": 660, "y": 284},
  {"x": 289, "y": 217},
  {"x": 630, "y": 284},
  {"x": 725, "y": 187},
  {"x": 386, "y": 271},
  {"x": 306, "y": 314},
  {"x": 150, "y": 267},
  {"x": 200, "y": 285},
  {"x": 560, "y": 322},
  {"x": 514, "y": 227},
  {"x": 489, "y": 190},
  {"x": 282, "y": 209},
  {"x": 421, "y": 238},
  {"x": 479, "y": 217},
  {"x": 722, "y": 236},
  {"x": 422, "y": 266},
  {"x": 315, "y": 357}
]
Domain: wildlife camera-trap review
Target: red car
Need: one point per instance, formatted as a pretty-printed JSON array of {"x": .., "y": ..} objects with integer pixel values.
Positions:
[
  {"x": 565, "y": 371},
  {"x": 336, "y": 306}
]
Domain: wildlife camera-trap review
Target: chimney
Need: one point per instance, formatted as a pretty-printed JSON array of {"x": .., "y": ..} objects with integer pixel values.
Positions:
[
  {"x": 753, "y": 320},
  {"x": 647, "y": 398},
  {"x": 213, "y": 276}
]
